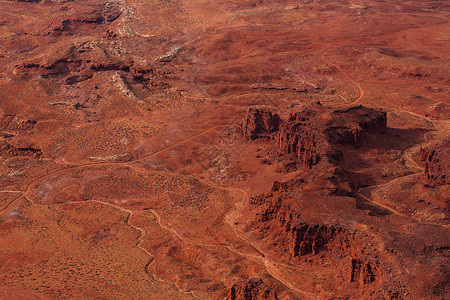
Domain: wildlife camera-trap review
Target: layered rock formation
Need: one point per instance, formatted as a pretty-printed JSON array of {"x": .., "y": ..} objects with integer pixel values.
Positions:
[
  {"x": 15, "y": 123},
  {"x": 8, "y": 149},
  {"x": 252, "y": 289},
  {"x": 296, "y": 136},
  {"x": 78, "y": 63},
  {"x": 116, "y": 150},
  {"x": 260, "y": 122},
  {"x": 90, "y": 14},
  {"x": 293, "y": 222},
  {"x": 293, "y": 235},
  {"x": 437, "y": 164},
  {"x": 362, "y": 272},
  {"x": 303, "y": 132},
  {"x": 317, "y": 136},
  {"x": 348, "y": 126}
]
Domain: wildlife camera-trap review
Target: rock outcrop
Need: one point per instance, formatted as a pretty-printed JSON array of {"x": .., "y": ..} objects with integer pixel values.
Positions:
[
  {"x": 301, "y": 238},
  {"x": 252, "y": 289},
  {"x": 260, "y": 122},
  {"x": 293, "y": 235},
  {"x": 298, "y": 137},
  {"x": 347, "y": 126},
  {"x": 88, "y": 14},
  {"x": 362, "y": 272},
  {"x": 82, "y": 60},
  {"x": 13, "y": 123},
  {"x": 437, "y": 164},
  {"x": 9, "y": 150},
  {"x": 303, "y": 132}
]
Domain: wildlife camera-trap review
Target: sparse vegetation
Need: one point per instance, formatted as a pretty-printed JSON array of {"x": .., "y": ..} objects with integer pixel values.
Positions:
[{"x": 333, "y": 186}]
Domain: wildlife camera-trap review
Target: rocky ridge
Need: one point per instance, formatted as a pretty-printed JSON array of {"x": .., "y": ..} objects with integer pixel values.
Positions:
[
  {"x": 437, "y": 164},
  {"x": 280, "y": 221},
  {"x": 310, "y": 135},
  {"x": 315, "y": 137},
  {"x": 252, "y": 289},
  {"x": 260, "y": 123}
]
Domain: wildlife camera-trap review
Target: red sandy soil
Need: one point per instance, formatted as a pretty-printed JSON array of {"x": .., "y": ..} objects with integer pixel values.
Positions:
[{"x": 239, "y": 149}]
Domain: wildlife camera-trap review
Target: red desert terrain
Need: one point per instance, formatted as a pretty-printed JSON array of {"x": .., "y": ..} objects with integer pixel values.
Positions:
[{"x": 227, "y": 149}]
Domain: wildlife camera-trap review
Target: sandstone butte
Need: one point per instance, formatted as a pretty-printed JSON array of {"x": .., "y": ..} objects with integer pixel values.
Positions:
[{"x": 233, "y": 149}]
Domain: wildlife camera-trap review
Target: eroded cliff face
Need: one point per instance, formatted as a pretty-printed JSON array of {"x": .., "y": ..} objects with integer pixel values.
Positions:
[
  {"x": 437, "y": 164},
  {"x": 349, "y": 125},
  {"x": 260, "y": 122},
  {"x": 317, "y": 137},
  {"x": 14, "y": 132},
  {"x": 300, "y": 220},
  {"x": 118, "y": 148},
  {"x": 283, "y": 224},
  {"x": 252, "y": 289},
  {"x": 311, "y": 135},
  {"x": 82, "y": 61},
  {"x": 298, "y": 137}
]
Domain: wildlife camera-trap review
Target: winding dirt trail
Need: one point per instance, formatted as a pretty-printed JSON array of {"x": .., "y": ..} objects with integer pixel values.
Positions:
[
  {"x": 29, "y": 187},
  {"x": 100, "y": 164},
  {"x": 395, "y": 212},
  {"x": 362, "y": 92},
  {"x": 177, "y": 235},
  {"x": 407, "y": 155},
  {"x": 326, "y": 60},
  {"x": 273, "y": 272},
  {"x": 140, "y": 239},
  {"x": 410, "y": 161},
  {"x": 264, "y": 260},
  {"x": 269, "y": 264}
]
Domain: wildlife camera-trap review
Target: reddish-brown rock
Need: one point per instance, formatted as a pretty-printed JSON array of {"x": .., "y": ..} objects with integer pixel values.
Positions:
[
  {"x": 13, "y": 123},
  {"x": 131, "y": 160},
  {"x": 311, "y": 133},
  {"x": 252, "y": 289},
  {"x": 298, "y": 137},
  {"x": 437, "y": 164},
  {"x": 282, "y": 223},
  {"x": 362, "y": 272},
  {"x": 259, "y": 122},
  {"x": 7, "y": 150},
  {"x": 348, "y": 125}
]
